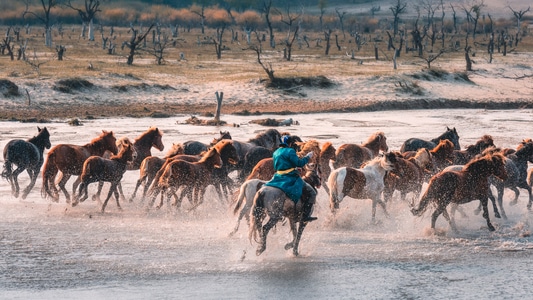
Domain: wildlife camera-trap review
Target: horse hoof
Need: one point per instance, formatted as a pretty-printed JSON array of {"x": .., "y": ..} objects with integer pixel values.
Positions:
[
  {"x": 295, "y": 252},
  {"x": 288, "y": 246},
  {"x": 260, "y": 250},
  {"x": 497, "y": 215},
  {"x": 491, "y": 228}
]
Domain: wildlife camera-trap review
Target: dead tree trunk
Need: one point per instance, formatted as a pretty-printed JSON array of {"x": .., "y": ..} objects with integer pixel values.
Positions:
[
  {"x": 219, "y": 105},
  {"x": 327, "y": 35},
  {"x": 60, "y": 49},
  {"x": 134, "y": 43}
]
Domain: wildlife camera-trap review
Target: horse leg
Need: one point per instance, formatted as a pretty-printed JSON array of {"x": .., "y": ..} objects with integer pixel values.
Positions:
[
  {"x": 75, "y": 184},
  {"x": 484, "y": 202},
  {"x": 264, "y": 233},
  {"x": 111, "y": 190},
  {"x": 436, "y": 214},
  {"x": 121, "y": 193},
  {"x": 61, "y": 184},
  {"x": 500, "y": 202},
  {"x": 137, "y": 185},
  {"x": 451, "y": 220},
  {"x": 96, "y": 197},
  {"x": 33, "y": 178},
  {"x": 83, "y": 188},
  {"x": 15, "y": 188},
  {"x": 117, "y": 197},
  {"x": 298, "y": 237}
]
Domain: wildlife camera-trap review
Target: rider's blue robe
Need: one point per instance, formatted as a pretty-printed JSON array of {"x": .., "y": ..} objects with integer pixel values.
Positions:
[{"x": 286, "y": 179}]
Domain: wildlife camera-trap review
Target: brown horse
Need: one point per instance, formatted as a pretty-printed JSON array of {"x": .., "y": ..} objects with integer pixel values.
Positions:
[
  {"x": 327, "y": 154},
  {"x": 353, "y": 155},
  {"x": 220, "y": 178},
  {"x": 459, "y": 187},
  {"x": 69, "y": 160},
  {"x": 99, "y": 169},
  {"x": 442, "y": 156},
  {"x": 149, "y": 167},
  {"x": 142, "y": 146},
  {"x": 462, "y": 157},
  {"x": 408, "y": 174},
  {"x": 194, "y": 176}
]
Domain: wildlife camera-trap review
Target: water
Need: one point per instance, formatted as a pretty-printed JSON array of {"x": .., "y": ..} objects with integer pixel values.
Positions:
[{"x": 52, "y": 250}]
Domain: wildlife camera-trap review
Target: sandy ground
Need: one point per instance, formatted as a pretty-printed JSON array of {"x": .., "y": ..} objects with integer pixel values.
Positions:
[{"x": 503, "y": 84}]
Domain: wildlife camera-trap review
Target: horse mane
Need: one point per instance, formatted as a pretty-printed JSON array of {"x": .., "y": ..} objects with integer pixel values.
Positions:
[
  {"x": 207, "y": 154},
  {"x": 309, "y": 146},
  {"x": 151, "y": 131},
  {"x": 99, "y": 138},
  {"x": 443, "y": 149},
  {"x": 124, "y": 144},
  {"x": 221, "y": 144},
  {"x": 42, "y": 135},
  {"x": 174, "y": 150},
  {"x": 479, "y": 163},
  {"x": 376, "y": 136}
]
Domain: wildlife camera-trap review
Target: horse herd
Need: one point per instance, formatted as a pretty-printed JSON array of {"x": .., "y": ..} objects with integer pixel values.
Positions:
[{"x": 360, "y": 171}]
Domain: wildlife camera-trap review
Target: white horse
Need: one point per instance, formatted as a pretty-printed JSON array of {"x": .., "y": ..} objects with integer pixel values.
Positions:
[{"x": 364, "y": 183}]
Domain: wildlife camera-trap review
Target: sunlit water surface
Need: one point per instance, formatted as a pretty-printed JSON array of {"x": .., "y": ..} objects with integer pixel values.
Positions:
[{"x": 55, "y": 251}]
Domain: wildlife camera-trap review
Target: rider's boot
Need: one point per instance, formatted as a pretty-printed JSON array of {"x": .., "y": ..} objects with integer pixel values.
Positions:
[{"x": 308, "y": 200}]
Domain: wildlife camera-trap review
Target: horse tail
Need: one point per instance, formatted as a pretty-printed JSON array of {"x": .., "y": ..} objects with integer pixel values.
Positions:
[
  {"x": 49, "y": 172},
  {"x": 6, "y": 173},
  {"x": 240, "y": 198},
  {"x": 439, "y": 187},
  {"x": 256, "y": 216}
]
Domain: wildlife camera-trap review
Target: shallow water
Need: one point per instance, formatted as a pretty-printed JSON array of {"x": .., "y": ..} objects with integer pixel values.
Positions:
[{"x": 53, "y": 250}]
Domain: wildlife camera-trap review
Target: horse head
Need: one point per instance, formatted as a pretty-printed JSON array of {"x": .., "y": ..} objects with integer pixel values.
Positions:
[
  {"x": 175, "y": 149},
  {"x": 453, "y": 136},
  {"x": 227, "y": 151},
  {"x": 312, "y": 175},
  {"x": 44, "y": 136},
  {"x": 212, "y": 157},
  {"x": 157, "y": 138},
  {"x": 109, "y": 140},
  {"x": 224, "y": 135}
]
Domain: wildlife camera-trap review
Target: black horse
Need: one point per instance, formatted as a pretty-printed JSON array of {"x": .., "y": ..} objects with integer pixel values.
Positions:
[
  {"x": 26, "y": 155},
  {"x": 413, "y": 144}
]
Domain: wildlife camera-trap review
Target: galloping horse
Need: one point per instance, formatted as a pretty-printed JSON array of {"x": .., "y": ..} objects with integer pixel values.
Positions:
[
  {"x": 195, "y": 176},
  {"x": 516, "y": 167},
  {"x": 69, "y": 160},
  {"x": 142, "y": 146},
  {"x": 459, "y": 187},
  {"x": 149, "y": 167},
  {"x": 414, "y": 144},
  {"x": 353, "y": 155},
  {"x": 26, "y": 155},
  {"x": 100, "y": 169},
  {"x": 462, "y": 157},
  {"x": 408, "y": 174},
  {"x": 364, "y": 183},
  {"x": 274, "y": 203},
  {"x": 220, "y": 178},
  {"x": 250, "y": 187}
]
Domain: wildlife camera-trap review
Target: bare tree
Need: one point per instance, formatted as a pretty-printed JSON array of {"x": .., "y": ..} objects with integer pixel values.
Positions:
[
  {"x": 519, "y": 15},
  {"x": 134, "y": 42},
  {"x": 289, "y": 20},
  {"x": 200, "y": 11},
  {"x": 397, "y": 9},
  {"x": 7, "y": 44},
  {"x": 322, "y": 8},
  {"x": 473, "y": 13},
  {"x": 258, "y": 49},
  {"x": 267, "y": 6},
  {"x": 43, "y": 16},
  {"x": 87, "y": 14},
  {"x": 218, "y": 40},
  {"x": 341, "y": 15}
]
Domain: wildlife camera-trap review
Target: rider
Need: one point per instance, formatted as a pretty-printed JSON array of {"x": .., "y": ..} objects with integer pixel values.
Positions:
[{"x": 288, "y": 179}]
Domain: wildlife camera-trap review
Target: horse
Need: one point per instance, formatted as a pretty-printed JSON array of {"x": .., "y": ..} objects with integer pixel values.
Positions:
[
  {"x": 441, "y": 157},
  {"x": 142, "y": 146},
  {"x": 250, "y": 187},
  {"x": 99, "y": 169},
  {"x": 274, "y": 203},
  {"x": 459, "y": 187},
  {"x": 26, "y": 155},
  {"x": 353, "y": 155},
  {"x": 414, "y": 144},
  {"x": 193, "y": 175},
  {"x": 69, "y": 160},
  {"x": 220, "y": 178},
  {"x": 268, "y": 139},
  {"x": 264, "y": 169},
  {"x": 408, "y": 174},
  {"x": 461, "y": 157},
  {"x": 363, "y": 183},
  {"x": 516, "y": 167},
  {"x": 149, "y": 167}
]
